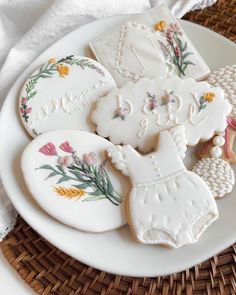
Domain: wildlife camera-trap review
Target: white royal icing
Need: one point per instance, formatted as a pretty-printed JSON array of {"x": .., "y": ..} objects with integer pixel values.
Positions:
[
  {"x": 217, "y": 174},
  {"x": 150, "y": 45},
  {"x": 219, "y": 140},
  {"x": 61, "y": 94},
  {"x": 226, "y": 78},
  {"x": 216, "y": 152},
  {"x": 70, "y": 176},
  {"x": 160, "y": 104},
  {"x": 167, "y": 204}
]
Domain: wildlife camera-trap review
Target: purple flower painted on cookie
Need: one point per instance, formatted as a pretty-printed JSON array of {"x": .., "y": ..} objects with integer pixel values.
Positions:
[
  {"x": 90, "y": 159},
  {"x": 66, "y": 161},
  {"x": 177, "y": 52}
]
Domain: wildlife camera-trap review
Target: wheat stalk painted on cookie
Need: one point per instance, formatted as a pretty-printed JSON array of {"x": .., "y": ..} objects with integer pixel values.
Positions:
[{"x": 69, "y": 192}]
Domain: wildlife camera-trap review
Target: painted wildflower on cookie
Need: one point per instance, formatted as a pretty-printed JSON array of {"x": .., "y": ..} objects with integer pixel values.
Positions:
[
  {"x": 207, "y": 97},
  {"x": 63, "y": 70},
  {"x": 48, "y": 149},
  {"x": 88, "y": 177},
  {"x": 167, "y": 98},
  {"x": 151, "y": 101},
  {"x": 121, "y": 113},
  {"x": 65, "y": 146},
  {"x": 52, "y": 61},
  {"x": 174, "y": 49},
  {"x": 160, "y": 26},
  {"x": 24, "y": 109}
]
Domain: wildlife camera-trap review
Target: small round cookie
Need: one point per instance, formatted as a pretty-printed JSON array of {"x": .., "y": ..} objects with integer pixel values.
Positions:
[
  {"x": 69, "y": 175},
  {"x": 217, "y": 174},
  {"x": 225, "y": 77},
  {"x": 61, "y": 94}
]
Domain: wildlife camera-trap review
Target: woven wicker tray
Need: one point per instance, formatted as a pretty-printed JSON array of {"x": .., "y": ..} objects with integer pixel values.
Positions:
[{"x": 49, "y": 271}]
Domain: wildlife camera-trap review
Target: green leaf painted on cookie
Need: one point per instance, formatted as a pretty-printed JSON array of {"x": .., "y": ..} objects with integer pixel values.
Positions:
[
  {"x": 185, "y": 46},
  {"x": 189, "y": 63},
  {"x": 60, "y": 169},
  {"x": 46, "y": 167},
  {"x": 81, "y": 186},
  {"x": 64, "y": 178},
  {"x": 54, "y": 173},
  {"x": 96, "y": 193},
  {"x": 76, "y": 173},
  {"x": 187, "y": 54}
]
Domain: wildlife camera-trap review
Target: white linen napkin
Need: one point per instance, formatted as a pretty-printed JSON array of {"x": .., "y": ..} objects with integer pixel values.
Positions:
[{"x": 28, "y": 27}]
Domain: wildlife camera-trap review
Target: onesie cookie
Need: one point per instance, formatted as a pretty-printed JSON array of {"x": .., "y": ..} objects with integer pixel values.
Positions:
[
  {"x": 151, "y": 45},
  {"x": 135, "y": 113},
  {"x": 167, "y": 204},
  {"x": 70, "y": 177},
  {"x": 61, "y": 94}
]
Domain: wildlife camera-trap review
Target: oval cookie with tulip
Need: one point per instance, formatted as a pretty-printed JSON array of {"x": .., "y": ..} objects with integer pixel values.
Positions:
[
  {"x": 69, "y": 175},
  {"x": 61, "y": 94}
]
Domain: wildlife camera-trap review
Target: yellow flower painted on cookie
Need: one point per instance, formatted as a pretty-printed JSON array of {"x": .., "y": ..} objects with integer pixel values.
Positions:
[
  {"x": 63, "y": 70},
  {"x": 52, "y": 61},
  {"x": 209, "y": 96},
  {"x": 160, "y": 26}
]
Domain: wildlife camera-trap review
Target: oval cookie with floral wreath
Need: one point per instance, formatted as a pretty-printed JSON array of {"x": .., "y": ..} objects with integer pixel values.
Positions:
[
  {"x": 69, "y": 175},
  {"x": 61, "y": 94}
]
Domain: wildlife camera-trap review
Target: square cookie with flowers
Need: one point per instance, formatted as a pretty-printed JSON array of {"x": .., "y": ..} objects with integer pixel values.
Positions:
[{"x": 151, "y": 45}]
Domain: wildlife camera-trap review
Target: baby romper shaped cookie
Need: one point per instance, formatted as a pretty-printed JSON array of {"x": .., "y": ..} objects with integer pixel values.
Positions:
[
  {"x": 61, "y": 94},
  {"x": 151, "y": 45},
  {"x": 135, "y": 113},
  {"x": 70, "y": 177},
  {"x": 167, "y": 204}
]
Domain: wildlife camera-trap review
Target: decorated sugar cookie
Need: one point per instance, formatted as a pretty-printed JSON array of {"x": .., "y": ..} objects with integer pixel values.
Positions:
[
  {"x": 217, "y": 174},
  {"x": 135, "y": 113},
  {"x": 70, "y": 177},
  {"x": 151, "y": 45},
  {"x": 61, "y": 94},
  {"x": 167, "y": 204},
  {"x": 216, "y": 155},
  {"x": 225, "y": 78}
]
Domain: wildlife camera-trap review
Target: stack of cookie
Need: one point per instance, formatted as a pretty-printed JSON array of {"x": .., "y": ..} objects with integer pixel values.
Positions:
[{"x": 147, "y": 102}]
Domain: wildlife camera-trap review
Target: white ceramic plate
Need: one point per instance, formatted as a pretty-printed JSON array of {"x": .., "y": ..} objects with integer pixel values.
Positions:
[{"x": 114, "y": 251}]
